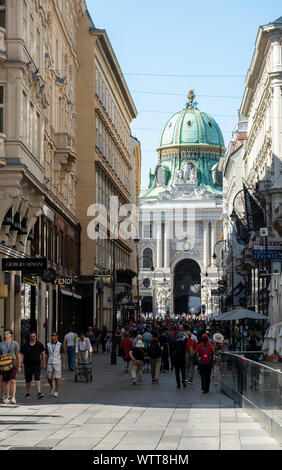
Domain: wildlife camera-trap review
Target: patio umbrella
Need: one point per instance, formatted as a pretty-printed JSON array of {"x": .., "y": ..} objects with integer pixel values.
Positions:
[{"x": 241, "y": 313}]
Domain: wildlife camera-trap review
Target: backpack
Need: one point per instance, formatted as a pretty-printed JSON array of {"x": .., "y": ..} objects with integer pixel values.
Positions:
[
  {"x": 155, "y": 350},
  {"x": 205, "y": 355}
]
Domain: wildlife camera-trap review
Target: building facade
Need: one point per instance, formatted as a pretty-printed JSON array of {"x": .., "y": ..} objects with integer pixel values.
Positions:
[
  {"x": 261, "y": 159},
  {"x": 180, "y": 216},
  {"x": 105, "y": 172},
  {"x": 39, "y": 65}
]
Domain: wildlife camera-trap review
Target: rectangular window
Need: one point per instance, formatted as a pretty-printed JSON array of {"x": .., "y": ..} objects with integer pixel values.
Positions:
[
  {"x": 1, "y": 109},
  {"x": 31, "y": 36},
  {"x": 24, "y": 21},
  {"x": 147, "y": 230},
  {"x": 3, "y": 14}
]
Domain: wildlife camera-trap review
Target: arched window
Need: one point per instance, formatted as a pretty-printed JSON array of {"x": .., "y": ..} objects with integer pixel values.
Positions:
[{"x": 147, "y": 258}]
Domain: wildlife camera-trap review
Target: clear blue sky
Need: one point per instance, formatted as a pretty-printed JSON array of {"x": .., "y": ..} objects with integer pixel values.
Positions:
[{"x": 182, "y": 37}]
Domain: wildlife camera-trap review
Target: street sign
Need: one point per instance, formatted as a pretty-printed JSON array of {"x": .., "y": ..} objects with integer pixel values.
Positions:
[
  {"x": 30, "y": 281},
  {"x": 30, "y": 265},
  {"x": 273, "y": 248}
]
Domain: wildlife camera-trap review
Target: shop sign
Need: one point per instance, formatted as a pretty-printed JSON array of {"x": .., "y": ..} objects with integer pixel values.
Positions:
[
  {"x": 61, "y": 281},
  {"x": 24, "y": 264},
  {"x": 273, "y": 249},
  {"x": 30, "y": 281},
  {"x": 4, "y": 291}
]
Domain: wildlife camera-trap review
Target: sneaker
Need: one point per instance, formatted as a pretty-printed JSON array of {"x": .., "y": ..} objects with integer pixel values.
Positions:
[
  {"x": 6, "y": 401},
  {"x": 133, "y": 382},
  {"x": 51, "y": 391},
  {"x": 28, "y": 395},
  {"x": 13, "y": 401},
  {"x": 40, "y": 395},
  {"x": 56, "y": 394}
]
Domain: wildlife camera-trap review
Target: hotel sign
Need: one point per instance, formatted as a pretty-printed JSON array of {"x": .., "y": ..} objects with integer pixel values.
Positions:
[{"x": 24, "y": 264}]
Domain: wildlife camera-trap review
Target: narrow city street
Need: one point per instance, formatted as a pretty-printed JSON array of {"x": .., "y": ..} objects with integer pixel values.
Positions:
[{"x": 112, "y": 414}]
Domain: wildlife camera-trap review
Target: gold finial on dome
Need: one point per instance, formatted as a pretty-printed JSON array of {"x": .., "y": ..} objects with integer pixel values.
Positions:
[{"x": 192, "y": 104}]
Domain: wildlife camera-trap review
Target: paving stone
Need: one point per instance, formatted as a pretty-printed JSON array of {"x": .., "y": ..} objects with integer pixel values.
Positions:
[{"x": 199, "y": 443}]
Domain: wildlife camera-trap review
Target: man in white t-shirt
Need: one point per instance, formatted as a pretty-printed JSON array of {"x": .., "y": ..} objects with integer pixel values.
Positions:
[
  {"x": 69, "y": 345},
  {"x": 83, "y": 344}
]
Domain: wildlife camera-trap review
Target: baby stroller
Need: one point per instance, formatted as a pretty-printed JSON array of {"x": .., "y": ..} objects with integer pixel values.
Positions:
[{"x": 83, "y": 366}]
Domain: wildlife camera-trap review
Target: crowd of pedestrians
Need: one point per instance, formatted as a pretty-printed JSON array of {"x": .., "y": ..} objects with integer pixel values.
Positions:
[
  {"x": 179, "y": 345},
  {"x": 155, "y": 346}
]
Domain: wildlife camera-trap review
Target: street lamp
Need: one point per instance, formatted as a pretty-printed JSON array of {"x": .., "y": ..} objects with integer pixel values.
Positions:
[{"x": 232, "y": 271}]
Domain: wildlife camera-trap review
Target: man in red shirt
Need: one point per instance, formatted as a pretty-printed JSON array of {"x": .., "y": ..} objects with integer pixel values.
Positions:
[
  {"x": 191, "y": 347},
  {"x": 125, "y": 347},
  {"x": 205, "y": 357}
]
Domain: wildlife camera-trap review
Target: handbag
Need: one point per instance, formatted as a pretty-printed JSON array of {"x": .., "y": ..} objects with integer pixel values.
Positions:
[{"x": 7, "y": 362}]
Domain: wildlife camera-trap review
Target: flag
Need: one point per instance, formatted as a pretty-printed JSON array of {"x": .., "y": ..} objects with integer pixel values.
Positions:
[
  {"x": 221, "y": 236},
  {"x": 238, "y": 288},
  {"x": 242, "y": 230},
  {"x": 237, "y": 237},
  {"x": 255, "y": 215}
]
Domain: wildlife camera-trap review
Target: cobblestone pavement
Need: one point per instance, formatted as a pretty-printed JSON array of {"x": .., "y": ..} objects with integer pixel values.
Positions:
[{"x": 111, "y": 413}]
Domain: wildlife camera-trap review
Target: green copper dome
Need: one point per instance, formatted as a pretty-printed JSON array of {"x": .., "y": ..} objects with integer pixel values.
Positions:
[{"x": 191, "y": 127}]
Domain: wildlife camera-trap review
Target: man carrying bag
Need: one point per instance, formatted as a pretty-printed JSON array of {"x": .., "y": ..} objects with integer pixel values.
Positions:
[{"x": 9, "y": 366}]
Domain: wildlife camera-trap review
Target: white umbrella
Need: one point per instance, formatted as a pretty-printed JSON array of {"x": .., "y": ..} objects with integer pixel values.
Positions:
[{"x": 240, "y": 313}]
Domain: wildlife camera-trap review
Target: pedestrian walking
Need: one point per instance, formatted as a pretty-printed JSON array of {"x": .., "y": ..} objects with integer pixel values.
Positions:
[
  {"x": 91, "y": 336},
  {"x": 179, "y": 353},
  {"x": 205, "y": 357},
  {"x": 191, "y": 347},
  {"x": 97, "y": 336},
  {"x": 69, "y": 345},
  {"x": 56, "y": 360},
  {"x": 137, "y": 364},
  {"x": 163, "y": 340},
  {"x": 218, "y": 340},
  {"x": 11, "y": 350},
  {"x": 155, "y": 353},
  {"x": 125, "y": 347},
  {"x": 83, "y": 344},
  {"x": 32, "y": 355}
]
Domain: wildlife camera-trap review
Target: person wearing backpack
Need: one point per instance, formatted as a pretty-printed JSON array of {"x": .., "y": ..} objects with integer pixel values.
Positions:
[
  {"x": 191, "y": 347},
  {"x": 205, "y": 358},
  {"x": 155, "y": 353}
]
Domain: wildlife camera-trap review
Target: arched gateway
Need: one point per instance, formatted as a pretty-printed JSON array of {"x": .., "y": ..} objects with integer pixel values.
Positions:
[{"x": 187, "y": 286}]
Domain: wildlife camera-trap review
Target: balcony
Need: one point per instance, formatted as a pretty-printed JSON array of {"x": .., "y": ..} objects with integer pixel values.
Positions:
[
  {"x": 65, "y": 149},
  {"x": 3, "y": 53}
]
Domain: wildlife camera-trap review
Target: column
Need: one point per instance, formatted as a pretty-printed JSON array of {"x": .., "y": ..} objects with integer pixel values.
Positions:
[
  {"x": 213, "y": 241},
  {"x": 167, "y": 244},
  {"x": 159, "y": 245},
  {"x": 41, "y": 322},
  {"x": 50, "y": 312},
  {"x": 206, "y": 248},
  {"x": 10, "y": 304}
]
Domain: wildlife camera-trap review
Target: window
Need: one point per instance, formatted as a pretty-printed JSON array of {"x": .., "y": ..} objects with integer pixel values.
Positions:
[
  {"x": 3, "y": 13},
  {"x": 147, "y": 258},
  {"x": 24, "y": 21},
  {"x": 1, "y": 109},
  {"x": 147, "y": 230}
]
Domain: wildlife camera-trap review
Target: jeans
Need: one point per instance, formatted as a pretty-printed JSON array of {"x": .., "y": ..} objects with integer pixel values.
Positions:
[{"x": 71, "y": 354}]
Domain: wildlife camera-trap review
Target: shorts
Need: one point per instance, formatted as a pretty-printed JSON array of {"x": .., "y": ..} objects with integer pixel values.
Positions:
[
  {"x": 54, "y": 371},
  {"x": 29, "y": 371},
  {"x": 9, "y": 375}
]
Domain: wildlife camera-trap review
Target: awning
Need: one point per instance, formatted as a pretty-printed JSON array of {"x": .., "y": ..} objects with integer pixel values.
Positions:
[
  {"x": 70, "y": 294},
  {"x": 240, "y": 314}
]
